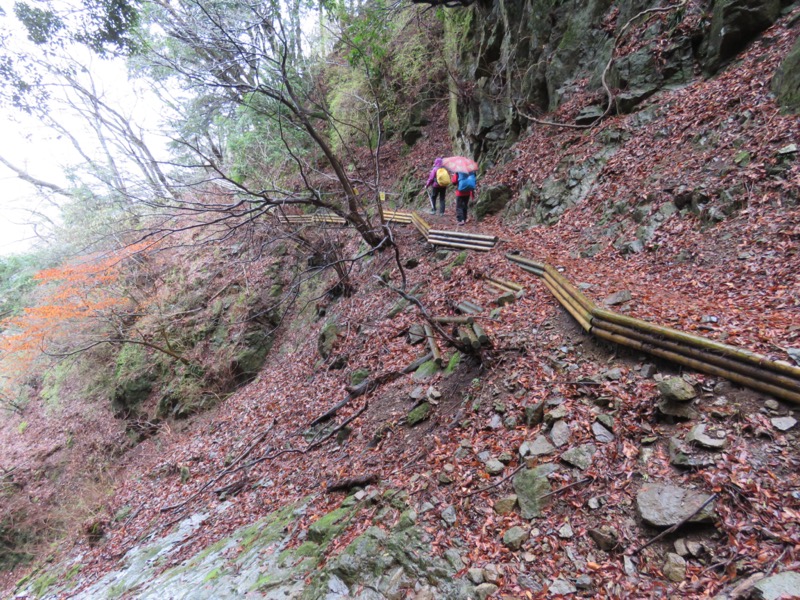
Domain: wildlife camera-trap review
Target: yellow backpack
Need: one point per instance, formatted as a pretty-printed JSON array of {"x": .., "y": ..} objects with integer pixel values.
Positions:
[{"x": 442, "y": 177}]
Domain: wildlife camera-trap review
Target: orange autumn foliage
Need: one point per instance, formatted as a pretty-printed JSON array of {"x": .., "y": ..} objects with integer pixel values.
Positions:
[{"x": 72, "y": 300}]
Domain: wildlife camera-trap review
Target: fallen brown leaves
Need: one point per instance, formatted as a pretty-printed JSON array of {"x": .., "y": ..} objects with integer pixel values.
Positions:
[{"x": 745, "y": 271}]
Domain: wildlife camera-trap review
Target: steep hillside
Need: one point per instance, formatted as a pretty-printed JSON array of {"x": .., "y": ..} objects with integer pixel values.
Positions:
[{"x": 546, "y": 462}]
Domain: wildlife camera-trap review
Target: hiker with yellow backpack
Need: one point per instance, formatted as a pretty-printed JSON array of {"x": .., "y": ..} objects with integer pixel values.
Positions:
[{"x": 438, "y": 180}]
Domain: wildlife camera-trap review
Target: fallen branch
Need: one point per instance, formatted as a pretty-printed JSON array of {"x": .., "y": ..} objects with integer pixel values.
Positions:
[
  {"x": 683, "y": 521},
  {"x": 425, "y": 314},
  {"x": 566, "y": 487},
  {"x": 227, "y": 471},
  {"x": 497, "y": 483},
  {"x": 232, "y": 489},
  {"x": 368, "y": 386},
  {"x": 270, "y": 456},
  {"x": 347, "y": 484}
]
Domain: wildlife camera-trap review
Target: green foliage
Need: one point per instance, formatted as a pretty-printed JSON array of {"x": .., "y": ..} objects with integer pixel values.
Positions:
[
  {"x": 131, "y": 361},
  {"x": 453, "y": 363},
  {"x": 43, "y": 583},
  {"x": 42, "y": 25},
  {"x": 53, "y": 381},
  {"x": 134, "y": 377},
  {"x": 353, "y": 117},
  {"x": 104, "y": 26},
  {"x": 256, "y": 143},
  {"x": 393, "y": 62},
  {"x": 16, "y": 281},
  {"x": 22, "y": 427}
]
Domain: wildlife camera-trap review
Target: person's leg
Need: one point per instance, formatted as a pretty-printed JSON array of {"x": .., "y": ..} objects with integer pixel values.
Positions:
[
  {"x": 442, "y": 192},
  {"x": 432, "y": 199},
  {"x": 461, "y": 208}
]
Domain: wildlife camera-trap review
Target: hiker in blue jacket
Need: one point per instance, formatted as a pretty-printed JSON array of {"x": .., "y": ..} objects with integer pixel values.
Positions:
[
  {"x": 465, "y": 191},
  {"x": 438, "y": 180}
]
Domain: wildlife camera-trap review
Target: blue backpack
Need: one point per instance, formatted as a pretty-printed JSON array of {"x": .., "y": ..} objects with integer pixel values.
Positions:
[{"x": 466, "y": 182}]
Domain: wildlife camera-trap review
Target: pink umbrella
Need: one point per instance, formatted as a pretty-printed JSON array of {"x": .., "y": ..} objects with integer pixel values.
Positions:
[{"x": 459, "y": 164}]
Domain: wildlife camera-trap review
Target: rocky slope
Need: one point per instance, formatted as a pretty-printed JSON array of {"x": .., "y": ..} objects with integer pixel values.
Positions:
[{"x": 544, "y": 463}]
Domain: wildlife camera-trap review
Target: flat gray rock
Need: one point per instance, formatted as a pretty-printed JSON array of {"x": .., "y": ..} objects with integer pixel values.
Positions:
[
  {"x": 560, "y": 433},
  {"x": 494, "y": 467},
  {"x": 674, "y": 567},
  {"x": 782, "y": 585},
  {"x": 580, "y": 456},
  {"x": 699, "y": 436},
  {"x": 514, "y": 537},
  {"x": 666, "y": 505},
  {"x": 617, "y": 298},
  {"x": 531, "y": 485},
  {"x": 601, "y": 434},
  {"x": 538, "y": 447},
  {"x": 783, "y": 423},
  {"x": 561, "y": 587},
  {"x": 675, "y": 389},
  {"x": 681, "y": 410}
]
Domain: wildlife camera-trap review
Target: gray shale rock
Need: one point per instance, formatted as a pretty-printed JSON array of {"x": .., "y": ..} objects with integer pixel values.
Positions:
[
  {"x": 783, "y": 423},
  {"x": 485, "y": 590},
  {"x": 601, "y": 434},
  {"x": 514, "y": 537},
  {"x": 683, "y": 455},
  {"x": 605, "y": 537},
  {"x": 676, "y": 389},
  {"x": 560, "y": 433},
  {"x": 580, "y": 456},
  {"x": 530, "y": 485},
  {"x": 782, "y": 585},
  {"x": 698, "y": 436},
  {"x": 561, "y": 587},
  {"x": 538, "y": 447},
  {"x": 666, "y": 505},
  {"x": 675, "y": 567}
]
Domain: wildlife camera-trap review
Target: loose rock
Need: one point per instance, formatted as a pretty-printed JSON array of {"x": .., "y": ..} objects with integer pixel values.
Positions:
[
  {"x": 783, "y": 423},
  {"x": 682, "y": 455},
  {"x": 618, "y": 298},
  {"x": 530, "y": 485},
  {"x": 601, "y": 434},
  {"x": 449, "y": 515},
  {"x": 494, "y": 467},
  {"x": 561, "y": 587},
  {"x": 666, "y": 505},
  {"x": 505, "y": 505},
  {"x": 676, "y": 389},
  {"x": 485, "y": 590},
  {"x": 580, "y": 456},
  {"x": 565, "y": 531},
  {"x": 560, "y": 433},
  {"x": 698, "y": 436},
  {"x": 475, "y": 575},
  {"x": 514, "y": 537},
  {"x": 782, "y": 585},
  {"x": 675, "y": 567},
  {"x": 538, "y": 447},
  {"x": 534, "y": 413},
  {"x": 605, "y": 537},
  {"x": 680, "y": 410},
  {"x": 554, "y": 415}
]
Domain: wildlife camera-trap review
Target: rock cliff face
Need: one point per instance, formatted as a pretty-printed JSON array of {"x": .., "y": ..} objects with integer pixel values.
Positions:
[{"x": 523, "y": 57}]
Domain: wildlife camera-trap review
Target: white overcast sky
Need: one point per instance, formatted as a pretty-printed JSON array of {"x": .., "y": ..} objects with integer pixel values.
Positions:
[{"x": 27, "y": 144}]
